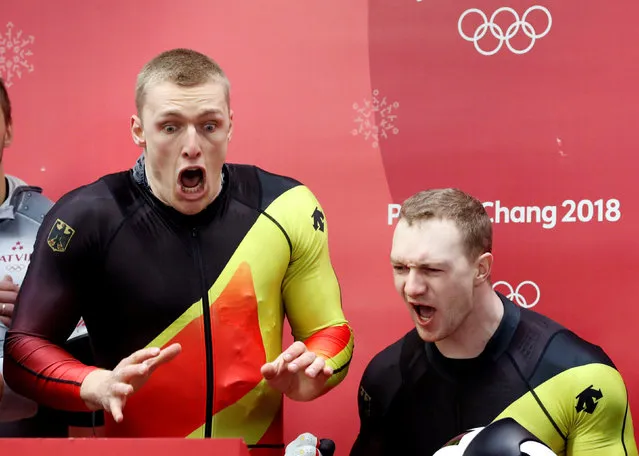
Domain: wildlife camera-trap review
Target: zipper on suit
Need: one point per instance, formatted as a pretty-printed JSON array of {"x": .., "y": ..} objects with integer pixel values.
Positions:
[{"x": 208, "y": 336}]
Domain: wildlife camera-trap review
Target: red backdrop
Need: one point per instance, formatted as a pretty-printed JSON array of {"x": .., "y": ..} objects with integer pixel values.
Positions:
[{"x": 368, "y": 102}]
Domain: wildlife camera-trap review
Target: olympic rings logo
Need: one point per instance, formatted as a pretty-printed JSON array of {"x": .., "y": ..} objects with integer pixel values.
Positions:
[
  {"x": 15, "y": 267},
  {"x": 498, "y": 32},
  {"x": 514, "y": 294}
]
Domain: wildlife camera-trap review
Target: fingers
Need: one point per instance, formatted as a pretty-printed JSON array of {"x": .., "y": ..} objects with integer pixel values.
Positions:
[
  {"x": 311, "y": 363},
  {"x": 115, "y": 408},
  {"x": 302, "y": 361},
  {"x": 7, "y": 284},
  {"x": 6, "y": 313},
  {"x": 131, "y": 373},
  {"x": 122, "y": 389},
  {"x": 144, "y": 362},
  {"x": 8, "y": 296},
  {"x": 127, "y": 374},
  {"x": 327, "y": 370},
  {"x": 103, "y": 389},
  {"x": 269, "y": 371},
  {"x": 167, "y": 354},
  {"x": 295, "y": 358},
  {"x": 274, "y": 368},
  {"x": 318, "y": 366},
  {"x": 6, "y": 309},
  {"x": 295, "y": 350},
  {"x": 281, "y": 363},
  {"x": 140, "y": 356}
]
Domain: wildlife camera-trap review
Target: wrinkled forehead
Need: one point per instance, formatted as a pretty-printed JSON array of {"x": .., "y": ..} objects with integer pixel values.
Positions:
[
  {"x": 427, "y": 241},
  {"x": 164, "y": 96}
]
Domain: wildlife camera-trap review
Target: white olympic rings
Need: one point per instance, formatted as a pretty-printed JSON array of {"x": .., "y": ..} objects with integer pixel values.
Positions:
[
  {"x": 514, "y": 294},
  {"x": 498, "y": 32},
  {"x": 15, "y": 267}
]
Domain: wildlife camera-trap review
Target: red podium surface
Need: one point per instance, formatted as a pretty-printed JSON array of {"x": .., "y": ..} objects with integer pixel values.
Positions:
[{"x": 123, "y": 447}]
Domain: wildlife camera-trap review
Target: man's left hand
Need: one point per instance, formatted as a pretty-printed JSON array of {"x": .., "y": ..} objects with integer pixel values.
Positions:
[{"x": 298, "y": 373}]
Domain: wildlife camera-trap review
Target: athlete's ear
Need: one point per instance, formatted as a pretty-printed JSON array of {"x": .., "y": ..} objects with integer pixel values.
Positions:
[
  {"x": 137, "y": 132},
  {"x": 230, "y": 133},
  {"x": 484, "y": 265},
  {"x": 8, "y": 134}
]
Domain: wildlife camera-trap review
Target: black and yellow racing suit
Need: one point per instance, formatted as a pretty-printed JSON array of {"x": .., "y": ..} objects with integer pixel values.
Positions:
[
  {"x": 220, "y": 283},
  {"x": 566, "y": 391}
]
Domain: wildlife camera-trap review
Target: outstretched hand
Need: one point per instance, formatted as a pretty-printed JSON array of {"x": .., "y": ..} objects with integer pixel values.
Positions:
[
  {"x": 298, "y": 373},
  {"x": 109, "y": 390}
]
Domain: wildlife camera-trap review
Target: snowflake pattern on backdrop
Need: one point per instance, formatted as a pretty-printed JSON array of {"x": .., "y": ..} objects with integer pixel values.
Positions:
[
  {"x": 366, "y": 123},
  {"x": 14, "y": 54}
]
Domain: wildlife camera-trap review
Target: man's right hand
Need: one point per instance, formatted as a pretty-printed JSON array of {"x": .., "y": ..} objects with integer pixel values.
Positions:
[
  {"x": 108, "y": 390},
  {"x": 8, "y": 294}
]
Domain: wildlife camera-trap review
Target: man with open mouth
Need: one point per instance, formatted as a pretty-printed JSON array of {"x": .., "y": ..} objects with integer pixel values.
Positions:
[
  {"x": 475, "y": 357},
  {"x": 184, "y": 270}
]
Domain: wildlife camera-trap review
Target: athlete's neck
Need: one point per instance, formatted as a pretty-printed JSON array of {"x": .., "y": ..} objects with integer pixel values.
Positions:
[{"x": 470, "y": 339}]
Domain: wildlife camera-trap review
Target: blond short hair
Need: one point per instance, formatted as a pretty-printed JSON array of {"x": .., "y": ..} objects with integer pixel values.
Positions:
[
  {"x": 467, "y": 212},
  {"x": 184, "y": 67}
]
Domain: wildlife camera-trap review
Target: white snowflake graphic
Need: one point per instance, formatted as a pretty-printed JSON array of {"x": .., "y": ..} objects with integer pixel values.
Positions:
[
  {"x": 365, "y": 120},
  {"x": 14, "y": 53}
]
